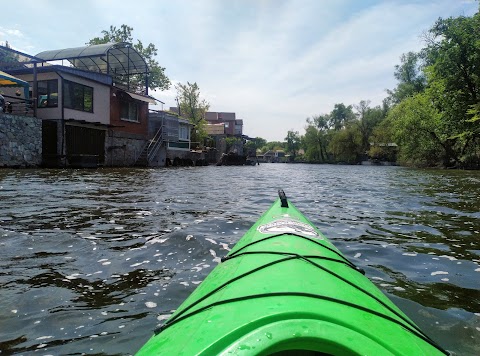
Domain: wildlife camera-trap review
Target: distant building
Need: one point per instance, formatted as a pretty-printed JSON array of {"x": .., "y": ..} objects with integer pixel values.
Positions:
[
  {"x": 220, "y": 123},
  {"x": 274, "y": 156},
  {"x": 232, "y": 126}
]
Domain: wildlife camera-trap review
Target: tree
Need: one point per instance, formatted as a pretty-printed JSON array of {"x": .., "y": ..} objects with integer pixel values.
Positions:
[
  {"x": 409, "y": 74},
  {"x": 8, "y": 58},
  {"x": 233, "y": 144},
  {"x": 346, "y": 145},
  {"x": 368, "y": 118},
  {"x": 340, "y": 116},
  {"x": 193, "y": 108},
  {"x": 316, "y": 139},
  {"x": 453, "y": 54},
  {"x": 382, "y": 140},
  {"x": 418, "y": 129},
  {"x": 313, "y": 145},
  {"x": 157, "y": 78},
  {"x": 255, "y": 144},
  {"x": 273, "y": 146},
  {"x": 292, "y": 144}
]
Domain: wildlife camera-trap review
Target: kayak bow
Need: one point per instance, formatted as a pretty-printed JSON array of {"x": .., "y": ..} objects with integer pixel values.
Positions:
[{"x": 284, "y": 289}]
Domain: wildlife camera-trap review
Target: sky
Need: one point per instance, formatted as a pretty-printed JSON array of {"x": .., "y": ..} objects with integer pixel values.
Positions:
[{"x": 274, "y": 63}]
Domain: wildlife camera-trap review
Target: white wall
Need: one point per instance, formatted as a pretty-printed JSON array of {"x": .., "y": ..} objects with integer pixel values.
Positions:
[{"x": 101, "y": 99}]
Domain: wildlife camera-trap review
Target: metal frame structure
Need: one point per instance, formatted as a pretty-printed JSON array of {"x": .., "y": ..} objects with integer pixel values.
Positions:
[
  {"x": 119, "y": 60},
  {"x": 116, "y": 59}
]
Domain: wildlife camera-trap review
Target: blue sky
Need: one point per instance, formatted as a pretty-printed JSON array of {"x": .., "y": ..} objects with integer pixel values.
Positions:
[{"x": 273, "y": 62}]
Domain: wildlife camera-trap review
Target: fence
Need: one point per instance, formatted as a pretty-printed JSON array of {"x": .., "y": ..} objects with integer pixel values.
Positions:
[{"x": 17, "y": 106}]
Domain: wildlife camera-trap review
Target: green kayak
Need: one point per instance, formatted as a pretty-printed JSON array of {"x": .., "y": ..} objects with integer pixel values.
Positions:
[{"x": 284, "y": 289}]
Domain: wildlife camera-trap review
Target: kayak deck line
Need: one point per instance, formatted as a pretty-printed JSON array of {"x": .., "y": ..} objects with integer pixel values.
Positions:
[
  {"x": 285, "y": 278},
  {"x": 348, "y": 262},
  {"x": 418, "y": 334},
  {"x": 290, "y": 256},
  {"x": 226, "y": 258},
  {"x": 180, "y": 315}
]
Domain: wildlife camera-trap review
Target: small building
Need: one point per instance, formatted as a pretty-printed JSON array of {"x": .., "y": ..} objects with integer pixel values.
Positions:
[
  {"x": 273, "y": 156},
  {"x": 169, "y": 135},
  {"x": 94, "y": 109}
]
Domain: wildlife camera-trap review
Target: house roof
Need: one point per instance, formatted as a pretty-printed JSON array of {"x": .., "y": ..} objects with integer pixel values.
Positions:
[
  {"x": 145, "y": 98},
  {"x": 95, "y": 76},
  {"x": 111, "y": 58}
]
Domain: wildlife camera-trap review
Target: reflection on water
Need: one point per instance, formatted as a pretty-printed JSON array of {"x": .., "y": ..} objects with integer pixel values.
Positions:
[{"x": 93, "y": 260}]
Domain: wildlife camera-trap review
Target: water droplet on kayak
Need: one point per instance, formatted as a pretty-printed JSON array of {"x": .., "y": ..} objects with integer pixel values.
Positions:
[{"x": 269, "y": 335}]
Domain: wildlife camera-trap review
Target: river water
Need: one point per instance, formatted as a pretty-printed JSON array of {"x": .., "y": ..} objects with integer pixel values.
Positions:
[{"x": 92, "y": 260}]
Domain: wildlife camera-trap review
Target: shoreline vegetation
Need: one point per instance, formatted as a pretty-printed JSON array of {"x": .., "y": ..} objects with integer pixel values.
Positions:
[{"x": 431, "y": 119}]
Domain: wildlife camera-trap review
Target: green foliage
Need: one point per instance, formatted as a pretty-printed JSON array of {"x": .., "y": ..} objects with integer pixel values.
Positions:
[
  {"x": 232, "y": 143},
  {"x": 341, "y": 116},
  {"x": 292, "y": 144},
  {"x": 315, "y": 144},
  {"x": 273, "y": 146},
  {"x": 431, "y": 118},
  {"x": 157, "y": 78},
  {"x": 411, "y": 79},
  {"x": 367, "y": 119},
  {"x": 346, "y": 145},
  {"x": 8, "y": 59},
  {"x": 381, "y": 143},
  {"x": 454, "y": 83},
  {"x": 255, "y": 144},
  {"x": 417, "y": 129},
  {"x": 193, "y": 108}
]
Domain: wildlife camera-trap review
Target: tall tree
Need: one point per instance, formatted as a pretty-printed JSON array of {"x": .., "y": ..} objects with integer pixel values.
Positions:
[
  {"x": 340, "y": 116},
  {"x": 420, "y": 131},
  {"x": 292, "y": 144},
  {"x": 410, "y": 76},
  {"x": 453, "y": 54},
  {"x": 316, "y": 138},
  {"x": 368, "y": 119},
  {"x": 157, "y": 78},
  {"x": 313, "y": 145},
  {"x": 346, "y": 145},
  {"x": 193, "y": 108}
]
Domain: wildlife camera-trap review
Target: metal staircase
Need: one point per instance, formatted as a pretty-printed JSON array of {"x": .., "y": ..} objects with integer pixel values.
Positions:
[{"x": 151, "y": 148}]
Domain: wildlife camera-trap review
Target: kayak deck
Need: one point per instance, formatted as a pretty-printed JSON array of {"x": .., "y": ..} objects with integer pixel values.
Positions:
[{"x": 285, "y": 288}]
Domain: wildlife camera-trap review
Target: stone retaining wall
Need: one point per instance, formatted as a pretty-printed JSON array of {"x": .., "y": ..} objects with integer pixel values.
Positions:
[
  {"x": 122, "y": 149},
  {"x": 20, "y": 141}
]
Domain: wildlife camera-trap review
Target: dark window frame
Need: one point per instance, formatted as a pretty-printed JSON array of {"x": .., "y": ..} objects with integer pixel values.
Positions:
[
  {"x": 45, "y": 95},
  {"x": 126, "y": 106},
  {"x": 76, "y": 96}
]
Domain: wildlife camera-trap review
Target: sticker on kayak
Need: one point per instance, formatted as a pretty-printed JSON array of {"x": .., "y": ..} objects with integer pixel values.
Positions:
[{"x": 286, "y": 225}]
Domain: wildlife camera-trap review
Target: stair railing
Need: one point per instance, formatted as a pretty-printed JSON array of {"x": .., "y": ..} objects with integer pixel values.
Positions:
[{"x": 155, "y": 144}]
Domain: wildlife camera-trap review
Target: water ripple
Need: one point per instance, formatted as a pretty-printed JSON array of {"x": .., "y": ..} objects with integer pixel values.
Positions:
[{"x": 93, "y": 260}]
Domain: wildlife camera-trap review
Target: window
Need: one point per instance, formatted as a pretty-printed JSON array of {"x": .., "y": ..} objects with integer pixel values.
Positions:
[
  {"x": 47, "y": 92},
  {"x": 78, "y": 96},
  {"x": 129, "y": 111},
  {"x": 183, "y": 132}
]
